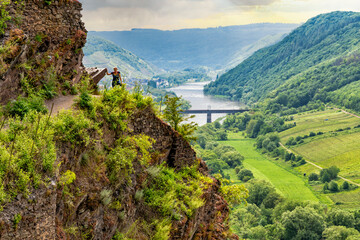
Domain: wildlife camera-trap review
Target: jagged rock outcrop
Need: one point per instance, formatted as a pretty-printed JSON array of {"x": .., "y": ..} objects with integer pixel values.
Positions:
[
  {"x": 43, "y": 44},
  {"x": 49, "y": 39},
  {"x": 96, "y": 74},
  {"x": 46, "y": 212}
]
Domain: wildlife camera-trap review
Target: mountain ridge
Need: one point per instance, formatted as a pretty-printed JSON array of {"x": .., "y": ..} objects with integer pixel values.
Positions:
[
  {"x": 100, "y": 52},
  {"x": 180, "y": 49},
  {"x": 322, "y": 38}
]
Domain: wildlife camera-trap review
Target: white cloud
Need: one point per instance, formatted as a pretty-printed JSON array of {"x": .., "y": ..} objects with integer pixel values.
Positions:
[{"x": 175, "y": 14}]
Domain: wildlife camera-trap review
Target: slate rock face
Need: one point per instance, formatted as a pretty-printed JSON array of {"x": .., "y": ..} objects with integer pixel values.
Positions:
[
  {"x": 96, "y": 74},
  {"x": 48, "y": 212},
  {"x": 44, "y": 44}
]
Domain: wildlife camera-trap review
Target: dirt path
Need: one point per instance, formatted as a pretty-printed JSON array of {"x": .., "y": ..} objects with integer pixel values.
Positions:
[
  {"x": 60, "y": 103},
  {"x": 354, "y": 115},
  {"x": 317, "y": 166}
]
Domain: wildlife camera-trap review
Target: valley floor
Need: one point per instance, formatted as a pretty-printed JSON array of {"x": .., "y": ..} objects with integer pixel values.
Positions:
[{"x": 288, "y": 184}]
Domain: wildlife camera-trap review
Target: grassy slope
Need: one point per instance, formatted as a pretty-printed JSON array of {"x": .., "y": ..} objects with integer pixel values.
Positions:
[
  {"x": 287, "y": 183},
  {"x": 316, "y": 121},
  {"x": 339, "y": 149}
]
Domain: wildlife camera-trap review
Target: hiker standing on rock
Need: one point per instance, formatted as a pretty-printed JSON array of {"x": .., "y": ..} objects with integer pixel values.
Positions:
[{"x": 116, "y": 77}]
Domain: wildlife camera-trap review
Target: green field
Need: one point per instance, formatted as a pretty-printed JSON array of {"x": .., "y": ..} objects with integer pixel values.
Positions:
[
  {"x": 287, "y": 184},
  {"x": 325, "y": 121},
  {"x": 349, "y": 199},
  {"x": 341, "y": 151}
]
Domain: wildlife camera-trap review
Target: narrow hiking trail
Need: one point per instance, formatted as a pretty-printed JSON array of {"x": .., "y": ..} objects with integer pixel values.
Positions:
[
  {"x": 317, "y": 166},
  {"x": 60, "y": 103}
]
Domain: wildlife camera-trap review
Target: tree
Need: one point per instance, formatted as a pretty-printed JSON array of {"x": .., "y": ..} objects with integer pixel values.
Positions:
[
  {"x": 258, "y": 191},
  {"x": 326, "y": 187},
  {"x": 340, "y": 233},
  {"x": 313, "y": 177},
  {"x": 345, "y": 185},
  {"x": 302, "y": 223},
  {"x": 333, "y": 171},
  {"x": 253, "y": 128},
  {"x": 257, "y": 233},
  {"x": 285, "y": 206},
  {"x": 152, "y": 84},
  {"x": 339, "y": 217},
  {"x": 333, "y": 186},
  {"x": 245, "y": 175},
  {"x": 221, "y": 135},
  {"x": 217, "y": 165},
  {"x": 272, "y": 199},
  {"x": 237, "y": 169},
  {"x": 328, "y": 174},
  {"x": 325, "y": 176},
  {"x": 173, "y": 114},
  {"x": 232, "y": 158},
  {"x": 201, "y": 140},
  {"x": 217, "y": 125}
]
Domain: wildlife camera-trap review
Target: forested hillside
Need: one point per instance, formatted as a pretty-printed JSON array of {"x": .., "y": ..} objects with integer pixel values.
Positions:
[
  {"x": 103, "y": 53},
  {"x": 310, "y": 64},
  {"x": 180, "y": 49}
]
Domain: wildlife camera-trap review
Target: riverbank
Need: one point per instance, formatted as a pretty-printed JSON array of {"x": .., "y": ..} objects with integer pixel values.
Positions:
[{"x": 193, "y": 92}]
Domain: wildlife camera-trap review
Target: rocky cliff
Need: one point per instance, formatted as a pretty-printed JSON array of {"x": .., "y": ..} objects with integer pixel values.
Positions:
[
  {"x": 41, "y": 46},
  {"x": 107, "y": 169}
]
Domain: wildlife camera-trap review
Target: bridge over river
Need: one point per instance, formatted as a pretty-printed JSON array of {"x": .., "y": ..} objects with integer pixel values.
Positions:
[{"x": 209, "y": 112}]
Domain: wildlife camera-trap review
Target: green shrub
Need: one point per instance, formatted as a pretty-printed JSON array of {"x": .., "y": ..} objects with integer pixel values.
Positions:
[
  {"x": 245, "y": 175},
  {"x": 67, "y": 178},
  {"x": 340, "y": 217},
  {"x": 23, "y": 106},
  {"x": 174, "y": 193},
  {"x": 345, "y": 185},
  {"x": 4, "y": 16},
  {"x": 17, "y": 219},
  {"x": 120, "y": 160},
  {"x": 106, "y": 196},
  {"x": 27, "y": 152},
  {"x": 333, "y": 186},
  {"x": 74, "y": 128},
  {"x": 313, "y": 177},
  {"x": 139, "y": 195},
  {"x": 237, "y": 169},
  {"x": 340, "y": 233},
  {"x": 326, "y": 187},
  {"x": 85, "y": 101},
  {"x": 328, "y": 174},
  {"x": 233, "y": 158}
]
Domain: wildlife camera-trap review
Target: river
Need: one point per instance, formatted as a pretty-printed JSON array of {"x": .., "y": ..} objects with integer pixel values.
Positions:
[{"x": 193, "y": 92}]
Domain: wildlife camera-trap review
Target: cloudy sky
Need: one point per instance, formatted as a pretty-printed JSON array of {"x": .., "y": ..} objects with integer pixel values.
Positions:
[{"x": 176, "y": 14}]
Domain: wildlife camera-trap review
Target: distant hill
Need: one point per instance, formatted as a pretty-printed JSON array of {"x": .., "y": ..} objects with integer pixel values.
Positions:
[
  {"x": 240, "y": 55},
  {"x": 180, "y": 49},
  {"x": 311, "y": 64},
  {"x": 100, "y": 52}
]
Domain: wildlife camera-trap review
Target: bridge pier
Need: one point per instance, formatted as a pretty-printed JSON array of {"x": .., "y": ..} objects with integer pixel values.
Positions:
[
  {"x": 209, "y": 117},
  {"x": 209, "y": 112}
]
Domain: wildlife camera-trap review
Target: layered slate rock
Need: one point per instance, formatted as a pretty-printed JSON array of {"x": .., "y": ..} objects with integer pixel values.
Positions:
[{"x": 46, "y": 45}]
